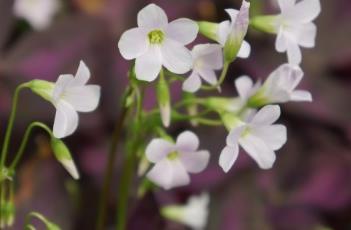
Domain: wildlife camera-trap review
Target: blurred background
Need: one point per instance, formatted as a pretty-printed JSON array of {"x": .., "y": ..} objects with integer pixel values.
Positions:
[{"x": 308, "y": 189}]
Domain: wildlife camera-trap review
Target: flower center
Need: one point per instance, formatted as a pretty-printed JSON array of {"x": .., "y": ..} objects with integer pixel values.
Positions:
[
  {"x": 172, "y": 156},
  {"x": 156, "y": 37},
  {"x": 246, "y": 132}
]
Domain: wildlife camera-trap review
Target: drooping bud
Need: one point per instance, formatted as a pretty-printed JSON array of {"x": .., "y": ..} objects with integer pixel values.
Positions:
[
  {"x": 63, "y": 155},
  {"x": 163, "y": 97},
  {"x": 193, "y": 214}
]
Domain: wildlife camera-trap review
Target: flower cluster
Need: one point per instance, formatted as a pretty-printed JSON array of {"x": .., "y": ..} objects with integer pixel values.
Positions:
[
  {"x": 159, "y": 49},
  {"x": 160, "y": 53}
]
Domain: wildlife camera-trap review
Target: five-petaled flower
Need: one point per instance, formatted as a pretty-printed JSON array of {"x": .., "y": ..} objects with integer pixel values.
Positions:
[
  {"x": 207, "y": 58},
  {"x": 174, "y": 161},
  {"x": 70, "y": 95},
  {"x": 279, "y": 87},
  {"x": 193, "y": 214},
  {"x": 156, "y": 43},
  {"x": 295, "y": 28},
  {"x": 39, "y": 13},
  {"x": 259, "y": 137}
]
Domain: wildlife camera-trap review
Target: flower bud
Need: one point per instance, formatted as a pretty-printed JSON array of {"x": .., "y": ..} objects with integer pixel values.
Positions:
[
  {"x": 193, "y": 214},
  {"x": 266, "y": 23},
  {"x": 208, "y": 29},
  {"x": 63, "y": 155},
  {"x": 42, "y": 88},
  {"x": 163, "y": 98}
]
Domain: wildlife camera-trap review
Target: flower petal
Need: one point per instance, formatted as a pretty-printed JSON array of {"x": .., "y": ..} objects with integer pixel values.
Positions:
[
  {"x": 182, "y": 30},
  {"x": 195, "y": 162},
  {"x": 244, "y": 86},
  {"x": 148, "y": 66},
  {"x": 305, "y": 11},
  {"x": 158, "y": 149},
  {"x": 281, "y": 43},
  {"x": 301, "y": 95},
  {"x": 82, "y": 76},
  {"x": 169, "y": 174},
  {"x": 245, "y": 50},
  {"x": 294, "y": 53},
  {"x": 192, "y": 83},
  {"x": 307, "y": 35},
  {"x": 234, "y": 135},
  {"x": 275, "y": 136},
  {"x": 61, "y": 84},
  {"x": 267, "y": 115},
  {"x": 187, "y": 141},
  {"x": 176, "y": 58},
  {"x": 209, "y": 55},
  {"x": 133, "y": 43},
  {"x": 228, "y": 157},
  {"x": 223, "y": 32},
  {"x": 285, "y": 5},
  {"x": 152, "y": 17},
  {"x": 66, "y": 120},
  {"x": 83, "y": 98},
  {"x": 208, "y": 75},
  {"x": 258, "y": 150}
]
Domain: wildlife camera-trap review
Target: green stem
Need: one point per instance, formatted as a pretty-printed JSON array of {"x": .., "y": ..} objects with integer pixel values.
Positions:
[
  {"x": 25, "y": 141},
  {"x": 221, "y": 78},
  {"x": 10, "y": 124},
  {"x": 101, "y": 219},
  {"x": 128, "y": 169}
]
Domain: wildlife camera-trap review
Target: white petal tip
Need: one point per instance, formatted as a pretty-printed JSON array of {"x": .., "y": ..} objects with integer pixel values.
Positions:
[{"x": 71, "y": 168}]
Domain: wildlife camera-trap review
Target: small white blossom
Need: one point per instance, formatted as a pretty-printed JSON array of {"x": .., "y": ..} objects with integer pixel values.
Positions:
[
  {"x": 295, "y": 28},
  {"x": 39, "y": 13},
  {"x": 259, "y": 137},
  {"x": 156, "y": 43},
  {"x": 193, "y": 214},
  {"x": 70, "y": 95},
  {"x": 236, "y": 29},
  {"x": 206, "y": 59},
  {"x": 174, "y": 162},
  {"x": 279, "y": 87}
]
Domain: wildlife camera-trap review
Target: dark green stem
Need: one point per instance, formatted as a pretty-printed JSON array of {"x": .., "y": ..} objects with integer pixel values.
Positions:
[
  {"x": 10, "y": 125},
  {"x": 101, "y": 219}
]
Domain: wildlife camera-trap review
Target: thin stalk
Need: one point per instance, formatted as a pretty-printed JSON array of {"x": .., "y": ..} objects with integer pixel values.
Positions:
[
  {"x": 8, "y": 133},
  {"x": 128, "y": 169},
  {"x": 101, "y": 219},
  {"x": 221, "y": 78},
  {"x": 25, "y": 141}
]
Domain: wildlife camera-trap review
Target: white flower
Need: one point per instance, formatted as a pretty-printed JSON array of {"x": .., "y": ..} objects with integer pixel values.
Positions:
[
  {"x": 235, "y": 30},
  {"x": 295, "y": 27},
  {"x": 193, "y": 214},
  {"x": 258, "y": 137},
  {"x": 279, "y": 87},
  {"x": 206, "y": 59},
  {"x": 39, "y": 13},
  {"x": 174, "y": 162},
  {"x": 71, "y": 95},
  {"x": 156, "y": 43}
]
